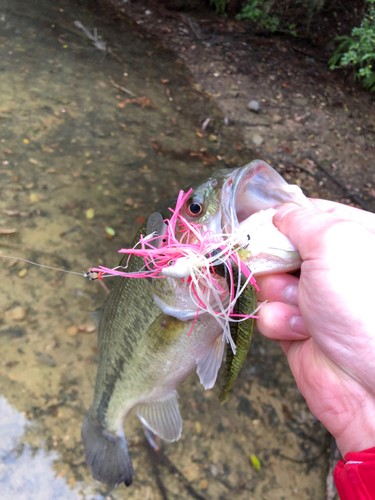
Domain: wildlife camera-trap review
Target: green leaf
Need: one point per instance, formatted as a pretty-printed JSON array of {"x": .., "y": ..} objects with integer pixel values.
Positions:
[
  {"x": 110, "y": 231},
  {"x": 255, "y": 462}
]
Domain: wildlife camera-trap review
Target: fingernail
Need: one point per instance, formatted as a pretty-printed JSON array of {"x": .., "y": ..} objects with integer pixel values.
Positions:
[
  {"x": 297, "y": 324},
  {"x": 283, "y": 210},
  {"x": 291, "y": 294}
]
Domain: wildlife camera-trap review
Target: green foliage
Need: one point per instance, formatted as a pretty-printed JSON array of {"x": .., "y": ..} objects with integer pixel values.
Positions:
[
  {"x": 358, "y": 50},
  {"x": 255, "y": 462},
  {"x": 288, "y": 16},
  {"x": 220, "y": 5},
  {"x": 258, "y": 11}
]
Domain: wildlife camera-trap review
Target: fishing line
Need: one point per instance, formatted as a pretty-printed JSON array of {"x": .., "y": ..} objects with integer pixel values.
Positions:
[
  {"x": 91, "y": 275},
  {"x": 85, "y": 275}
]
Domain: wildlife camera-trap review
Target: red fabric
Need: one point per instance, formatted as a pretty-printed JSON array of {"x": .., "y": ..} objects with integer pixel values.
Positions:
[{"x": 356, "y": 481}]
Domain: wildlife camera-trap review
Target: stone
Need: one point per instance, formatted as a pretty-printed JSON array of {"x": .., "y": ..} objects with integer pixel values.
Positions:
[
  {"x": 254, "y": 106},
  {"x": 72, "y": 331},
  {"x": 16, "y": 314},
  {"x": 13, "y": 332},
  {"x": 203, "y": 484},
  {"x": 213, "y": 138},
  {"x": 360, "y": 140},
  {"x": 257, "y": 139},
  {"x": 192, "y": 471},
  {"x": 277, "y": 119},
  {"x": 300, "y": 101},
  {"x": 214, "y": 470},
  {"x": 45, "y": 359}
]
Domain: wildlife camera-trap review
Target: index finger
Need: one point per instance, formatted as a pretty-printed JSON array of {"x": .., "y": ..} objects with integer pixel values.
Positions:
[
  {"x": 366, "y": 219},
  {"x": 316, "y": 233}
]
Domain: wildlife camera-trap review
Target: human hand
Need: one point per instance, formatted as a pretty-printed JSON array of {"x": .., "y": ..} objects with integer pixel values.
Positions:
[{"x": 325, "y": 320}]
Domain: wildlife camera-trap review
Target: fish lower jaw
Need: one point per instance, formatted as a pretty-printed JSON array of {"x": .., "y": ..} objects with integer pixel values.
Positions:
[{"x": 261, "y": 267}]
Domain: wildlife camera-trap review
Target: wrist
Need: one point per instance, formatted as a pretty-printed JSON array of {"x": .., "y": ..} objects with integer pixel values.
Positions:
[{"x": 359, "y": 434}]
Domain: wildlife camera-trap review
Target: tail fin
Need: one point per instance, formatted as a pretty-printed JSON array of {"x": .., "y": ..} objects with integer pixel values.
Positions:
[{"x": 106, "y": 453}]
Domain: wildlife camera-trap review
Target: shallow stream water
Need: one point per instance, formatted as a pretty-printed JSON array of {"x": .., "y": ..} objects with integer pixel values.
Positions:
[{"x": 93, "y": 139}]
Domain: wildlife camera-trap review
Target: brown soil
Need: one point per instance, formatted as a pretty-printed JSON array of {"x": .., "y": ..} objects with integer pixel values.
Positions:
[{"x": 314, "y": 125}]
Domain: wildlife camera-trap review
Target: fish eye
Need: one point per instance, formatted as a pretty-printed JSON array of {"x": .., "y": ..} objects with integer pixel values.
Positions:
[
  {"x": 170, "y": 263},
  {"x": 194, "y": 209}
]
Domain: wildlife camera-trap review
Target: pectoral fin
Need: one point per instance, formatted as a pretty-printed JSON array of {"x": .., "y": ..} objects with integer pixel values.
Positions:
[
  {"x": 208, "y": 366},
  {"x": 96, "y": 315},
  {"x": 162, "y": 417}
]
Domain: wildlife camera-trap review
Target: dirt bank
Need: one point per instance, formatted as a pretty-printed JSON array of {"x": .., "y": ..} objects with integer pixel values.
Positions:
[{"x": 308, "y": 115}]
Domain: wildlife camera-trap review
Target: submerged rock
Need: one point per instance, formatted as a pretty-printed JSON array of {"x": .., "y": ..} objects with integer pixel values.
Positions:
[{"x": 254, "y": 106}]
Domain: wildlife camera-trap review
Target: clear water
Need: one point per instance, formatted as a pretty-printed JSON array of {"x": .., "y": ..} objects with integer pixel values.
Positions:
[{"x": 78, "y": 155}]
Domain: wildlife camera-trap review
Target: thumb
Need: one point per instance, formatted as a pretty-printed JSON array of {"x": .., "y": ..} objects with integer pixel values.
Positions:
[{"x": 305, "y": 227}]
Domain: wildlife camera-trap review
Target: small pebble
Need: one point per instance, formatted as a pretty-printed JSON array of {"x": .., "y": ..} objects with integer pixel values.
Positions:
[
  {"x": 258, "y": 140},
  {"x": 203, "y": 484},
  {"x": 90, "y": 213},
  {"x": 45, "y": 359},
  {"x": 254, "y": 106},
  {"x": 16, "y": 314},
  {"x": 72, "y": 331},
  {"x": 214, "y": 470}
]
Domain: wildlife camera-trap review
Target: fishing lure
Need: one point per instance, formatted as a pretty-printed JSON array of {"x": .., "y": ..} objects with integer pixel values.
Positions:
[
  {"x": 241, "y": 332},
  {"x": 192, "y": 258}
]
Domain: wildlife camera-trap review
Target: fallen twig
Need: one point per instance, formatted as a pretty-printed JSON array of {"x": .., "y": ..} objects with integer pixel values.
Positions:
[
  {"x": 357, "y": 199},
  {"x": 288, "y": 164},
  {"x": 173, "y": 469},
  {"x": 205, "y": 123},
  {"x": 301, "y": 461},
  {"x": 154, "y": 458},
  {"x": 157, "y": 458},
  {"x": 93, "y": 37},
  {"x": 194, "y": 27},
  {"x": 252, "y": 124},
  {"x": 120, "y": 87},
  {"x": 325, "y": 61}
]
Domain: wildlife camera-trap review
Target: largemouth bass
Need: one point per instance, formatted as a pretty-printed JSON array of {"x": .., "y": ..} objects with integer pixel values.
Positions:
[{"x": 145, "y": 350}]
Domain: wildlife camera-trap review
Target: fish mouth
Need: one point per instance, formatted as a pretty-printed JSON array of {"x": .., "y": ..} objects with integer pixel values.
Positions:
[
  {"x": 249, "y": 199},
  {"x": 254, "y": 187}
]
